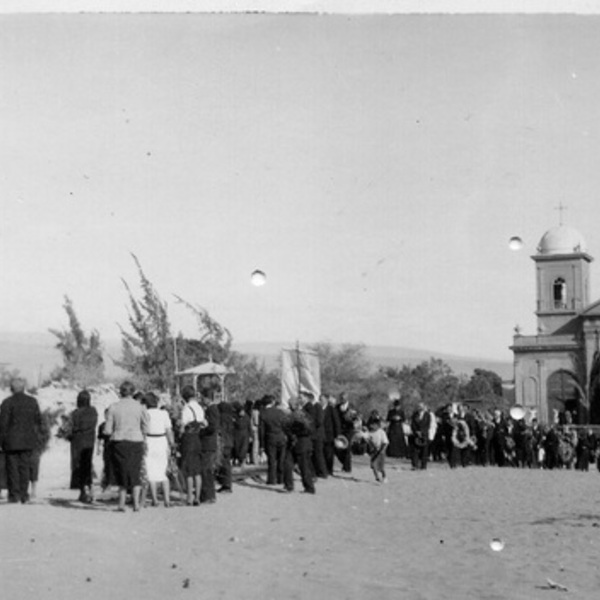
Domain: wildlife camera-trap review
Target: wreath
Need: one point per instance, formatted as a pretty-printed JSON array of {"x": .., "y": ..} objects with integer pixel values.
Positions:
[{"x": 460, "y": 435}]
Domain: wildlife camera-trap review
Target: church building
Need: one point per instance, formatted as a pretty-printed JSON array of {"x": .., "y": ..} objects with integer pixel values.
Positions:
[{"x": 558, "y": 369}]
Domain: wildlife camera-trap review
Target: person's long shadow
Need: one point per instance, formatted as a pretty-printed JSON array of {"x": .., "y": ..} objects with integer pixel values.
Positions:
[
  {"x": 259, "y": 484},
  {"x": 347, "y": 477},
  {"x": 98, "y": 505}
]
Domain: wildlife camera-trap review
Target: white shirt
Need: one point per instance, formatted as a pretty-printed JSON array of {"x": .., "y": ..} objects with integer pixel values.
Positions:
[
  {"x": 159, "y": 423},
  {"x": 191, "y": 412},
  {"x": 377, "y": 438}
]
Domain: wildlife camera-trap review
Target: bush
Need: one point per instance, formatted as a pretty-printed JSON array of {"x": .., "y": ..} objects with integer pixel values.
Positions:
[{"x": 50, "y": 420}]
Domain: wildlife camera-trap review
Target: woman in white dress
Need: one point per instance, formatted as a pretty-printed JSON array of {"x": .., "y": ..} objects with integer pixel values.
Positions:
[{"x": 159, "y": 441}]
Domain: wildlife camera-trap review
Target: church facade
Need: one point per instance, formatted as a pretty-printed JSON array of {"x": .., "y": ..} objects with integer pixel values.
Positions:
[{"x": 558, "y": 369}]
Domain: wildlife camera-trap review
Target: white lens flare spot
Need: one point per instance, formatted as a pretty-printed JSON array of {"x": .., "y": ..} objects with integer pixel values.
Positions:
[
  {"x": 258, "y": 278},
  {"x": 517, "y": 412},
  {"x": 497, "y": 545},
  {"x": 515, "y": 243}
]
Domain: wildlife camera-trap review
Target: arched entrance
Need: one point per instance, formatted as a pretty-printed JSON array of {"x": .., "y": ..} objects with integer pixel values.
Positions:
[
  {"x": 595, "y": 390},
  {"x": 564, "y": 396}
]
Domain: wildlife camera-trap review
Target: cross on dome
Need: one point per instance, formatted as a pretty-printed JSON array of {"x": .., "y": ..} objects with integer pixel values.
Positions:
[{"x": 560, "y": 208}]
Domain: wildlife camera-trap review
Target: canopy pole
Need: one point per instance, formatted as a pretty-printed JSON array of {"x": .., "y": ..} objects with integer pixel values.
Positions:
[
  {"x": 298, "y": 367},
  {"x": 176, "y": 363}
]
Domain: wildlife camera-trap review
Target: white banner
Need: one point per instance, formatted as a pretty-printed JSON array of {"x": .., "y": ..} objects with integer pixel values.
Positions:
[{"x": 300, "y": 372}]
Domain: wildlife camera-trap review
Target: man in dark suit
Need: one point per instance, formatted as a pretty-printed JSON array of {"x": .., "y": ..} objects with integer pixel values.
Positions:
[
  {"x": 272, "y": 438},
  {"x": 299, "y": 430},
  {"x": 419, "y": 426},
  {"x": 347, "y": 415},
  {"x": 331, "y": 429},
  {"x": 20, "y": 425},
  {"x": 315, "y": 411}
]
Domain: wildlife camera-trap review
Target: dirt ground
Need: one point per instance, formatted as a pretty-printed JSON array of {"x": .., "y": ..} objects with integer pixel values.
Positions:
[{"x": 423, "y": 535}]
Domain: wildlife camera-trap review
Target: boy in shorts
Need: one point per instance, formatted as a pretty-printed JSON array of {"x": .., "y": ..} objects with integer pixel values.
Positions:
[{"x": 377, "y": 442}]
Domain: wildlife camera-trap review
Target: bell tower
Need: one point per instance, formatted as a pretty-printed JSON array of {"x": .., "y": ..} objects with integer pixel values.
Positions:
[{"x": 562, "y": 276}]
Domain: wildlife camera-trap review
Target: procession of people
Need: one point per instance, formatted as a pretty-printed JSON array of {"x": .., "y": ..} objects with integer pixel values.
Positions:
[{"x": 194, "y": 443}]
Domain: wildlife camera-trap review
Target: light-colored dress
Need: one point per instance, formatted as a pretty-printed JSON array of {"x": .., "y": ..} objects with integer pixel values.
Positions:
[{"x": 157, "y": 444}]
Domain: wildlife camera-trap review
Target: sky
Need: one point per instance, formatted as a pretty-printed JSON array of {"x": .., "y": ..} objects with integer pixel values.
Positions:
[{"x": 373, "y": 166}]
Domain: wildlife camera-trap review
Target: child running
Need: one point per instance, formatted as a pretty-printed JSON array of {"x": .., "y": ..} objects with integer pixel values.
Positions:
[{"x": 377, "y": 442}]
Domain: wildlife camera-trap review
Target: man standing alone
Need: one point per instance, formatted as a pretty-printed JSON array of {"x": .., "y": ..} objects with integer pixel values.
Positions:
[
  {"x": 20, "y": 424},
  {"x": 420, "y": 424}
]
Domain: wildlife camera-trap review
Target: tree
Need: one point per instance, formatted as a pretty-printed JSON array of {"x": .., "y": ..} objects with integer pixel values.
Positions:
[
  {"x": 213, "y": 342},
  {"x": 83, "y": 363},
  {"x": 147, "y": 352},
  {"x": 152, "y": 354},
  {"x": 343, "y": 368},
  {"x": 483, "y": 383},
  {"x": 251, "y": 380},
  {"x": 432, "y": 382},
  {"x": 484, "y": 389}
]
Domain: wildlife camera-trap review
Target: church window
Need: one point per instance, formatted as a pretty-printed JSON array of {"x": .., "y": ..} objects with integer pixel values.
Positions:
[{"x": 559, "y": 293}]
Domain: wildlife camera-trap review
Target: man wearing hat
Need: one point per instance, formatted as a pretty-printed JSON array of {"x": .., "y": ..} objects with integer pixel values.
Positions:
[{"x": 347, "y": 415}]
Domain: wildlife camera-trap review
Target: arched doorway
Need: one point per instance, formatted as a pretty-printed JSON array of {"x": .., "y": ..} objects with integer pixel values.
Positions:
[
  {"x": 595, "y": 390},
  {"x": 564, "y": 396}
]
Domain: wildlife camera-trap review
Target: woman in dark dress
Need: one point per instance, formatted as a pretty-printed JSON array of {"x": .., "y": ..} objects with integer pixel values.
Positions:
[
  {"x": 83, "y": 437},
  {"x": 242, "y": 434},
  {"x": 395, "y": 431}
]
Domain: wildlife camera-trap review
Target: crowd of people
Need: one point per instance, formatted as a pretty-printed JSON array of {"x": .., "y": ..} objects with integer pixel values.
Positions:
[
  {"x": 462, "y": 436},
  {"x": 195, "y": 442}
]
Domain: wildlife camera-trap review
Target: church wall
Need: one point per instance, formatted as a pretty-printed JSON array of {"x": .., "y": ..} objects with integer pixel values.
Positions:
[{"x": 532, "y": 371}]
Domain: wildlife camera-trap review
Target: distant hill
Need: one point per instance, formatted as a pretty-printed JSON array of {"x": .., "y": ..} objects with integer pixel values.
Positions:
[
  {"x": 390, "y": 356},
  {"x": 35, "y": 356},
  {"x": 394, "y": 357}
]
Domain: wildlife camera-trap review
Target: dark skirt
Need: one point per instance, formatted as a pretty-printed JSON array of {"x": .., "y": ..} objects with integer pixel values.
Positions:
[
  {"x": 190, "y": 455},
  {"x": 397, "y": 446},
  {"x": 108, "y": 476},
  {"x": 240, "y": 447},
  {"x": 127, "y": 463},
  {"x": 81, "y": 466}
]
